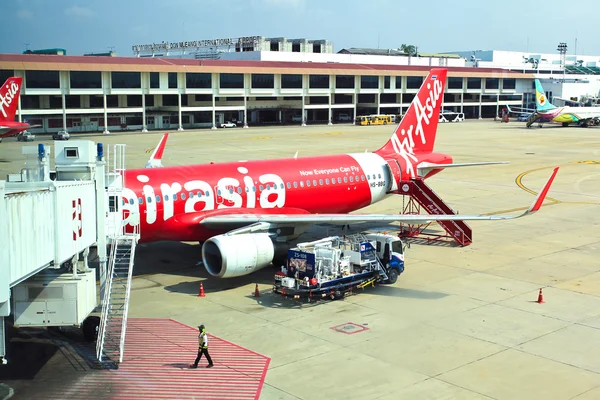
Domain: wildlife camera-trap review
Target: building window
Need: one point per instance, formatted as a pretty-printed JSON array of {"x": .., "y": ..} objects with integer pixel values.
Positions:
[
  {"x": 30, "y": 102},
  {"x": 42, "y": 79},
  {"x": 398, "y": 82},
  {"x": 198, "y": 81},
  {"x": 231, "y": 81},
  {"x": 112, "y": 101},
  {"x": 203, "y": 97},
  {"x": 509, "y": 83},
  {"x": 154, "y": 80},
  {"x": 473, "y": 83},
  {"x": 369, "y": 82},
  {"x": 5, "y": 74},
  {"x": 386, "y": 82},
  {"x": 291, "y": 81},
  {"x": 492, "y": 83},
  {"x": 170, "y": 100},
  {"x": 97, "y": 101},
  {"x": 318, "y": 82},
  {"x": 149, "y": 100},
  {"x": 85, "y": 79},
  {"x": 344, "y": 81},
  {"x": 173, "y": 80},
  {"x": 414, "y": 82},
  {"x": 126, "y": 80},
  {"x": 73, "y": 101},
  {"x": 455, "y": 83},
  {"x": 263, "y": 81},
  {"x": 134, "y": 101}
]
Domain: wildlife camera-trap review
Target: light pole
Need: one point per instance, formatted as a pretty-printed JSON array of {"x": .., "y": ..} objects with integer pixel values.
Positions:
[{"x": 562, "y": 49}]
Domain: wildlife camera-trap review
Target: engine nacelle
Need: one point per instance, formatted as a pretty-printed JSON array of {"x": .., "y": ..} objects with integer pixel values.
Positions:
[{"x": 237, "y": 255}]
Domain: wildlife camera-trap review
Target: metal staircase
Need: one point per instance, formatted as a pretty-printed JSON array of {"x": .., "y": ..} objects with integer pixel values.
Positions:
[
  {"x": 113, "y": 321},
  {"x": 110, "y": 344},
  {"x": 369, "y": 256},
  {"x": 428, "y": 199}
]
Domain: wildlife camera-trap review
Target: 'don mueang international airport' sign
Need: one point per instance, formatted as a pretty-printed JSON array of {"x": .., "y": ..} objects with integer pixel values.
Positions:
[{"x": 195, "y": 44}]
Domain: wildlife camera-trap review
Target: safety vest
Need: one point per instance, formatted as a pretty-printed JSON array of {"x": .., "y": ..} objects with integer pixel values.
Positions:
[{"x": 203, "y": 340}]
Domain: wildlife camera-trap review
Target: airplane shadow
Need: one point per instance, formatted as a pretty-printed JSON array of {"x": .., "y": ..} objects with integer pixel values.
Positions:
[{"x": 178, "y": 365}]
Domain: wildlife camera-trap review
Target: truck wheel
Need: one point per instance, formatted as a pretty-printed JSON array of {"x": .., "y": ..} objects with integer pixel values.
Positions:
[
  {"x": 90, "y": 328},
  {"x": 392, "y": 276}
]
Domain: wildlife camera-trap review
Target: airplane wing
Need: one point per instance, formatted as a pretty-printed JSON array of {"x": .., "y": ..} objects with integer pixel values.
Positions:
[
  {"x": 266, "y": 219},
  {"x": 155, "y": 160}
]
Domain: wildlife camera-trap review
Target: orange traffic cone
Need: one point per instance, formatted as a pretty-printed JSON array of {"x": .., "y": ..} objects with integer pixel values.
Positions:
[
  {"x": 256, "y": 294},
  {"x": 540, "y": 299},
  {"x": 201, "y": 292}
]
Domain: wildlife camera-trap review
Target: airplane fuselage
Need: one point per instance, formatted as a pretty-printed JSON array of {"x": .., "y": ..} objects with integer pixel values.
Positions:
[
  {"x": 171, "y": 202},
  {"x": 570, "y": 115}
]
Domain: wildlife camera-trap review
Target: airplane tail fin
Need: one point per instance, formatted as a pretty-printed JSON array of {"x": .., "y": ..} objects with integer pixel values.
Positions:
[
  {"x": 9, "y": 98},
  {"x": 417, "y": 130},
  {"x": 541, "y": 102},
  {"x": 155, "y": 160}
]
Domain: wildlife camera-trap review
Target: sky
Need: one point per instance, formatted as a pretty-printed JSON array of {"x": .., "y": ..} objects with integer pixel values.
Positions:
[{"x": 87, "y": 26}]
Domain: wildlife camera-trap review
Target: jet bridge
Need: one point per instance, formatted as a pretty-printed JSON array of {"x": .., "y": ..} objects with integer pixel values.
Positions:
[{"x": 49, "y": 225}]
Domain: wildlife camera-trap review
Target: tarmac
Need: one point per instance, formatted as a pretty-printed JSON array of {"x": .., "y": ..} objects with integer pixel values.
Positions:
[{"x": 460, "y": 322}]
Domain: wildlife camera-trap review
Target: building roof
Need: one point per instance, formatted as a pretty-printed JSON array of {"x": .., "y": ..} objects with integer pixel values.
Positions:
[{"x": 148, "y": 64}]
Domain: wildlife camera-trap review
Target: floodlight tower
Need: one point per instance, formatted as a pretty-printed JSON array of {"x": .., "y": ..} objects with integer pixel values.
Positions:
[{"x": 562, "y": 49}]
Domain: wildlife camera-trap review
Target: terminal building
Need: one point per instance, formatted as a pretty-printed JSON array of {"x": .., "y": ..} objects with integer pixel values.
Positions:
[{"x": 269, "y": 81}]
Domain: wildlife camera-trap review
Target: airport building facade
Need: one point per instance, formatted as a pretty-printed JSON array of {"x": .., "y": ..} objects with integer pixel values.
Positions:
[{"x": 102, "y": 94}]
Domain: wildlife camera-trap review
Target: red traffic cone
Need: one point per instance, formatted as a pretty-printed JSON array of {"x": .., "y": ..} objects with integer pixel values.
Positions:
[
  {"x": 201, "y": 292},
  {"x": 256, "y": 294},
  {"x": 540, "y": 299}
]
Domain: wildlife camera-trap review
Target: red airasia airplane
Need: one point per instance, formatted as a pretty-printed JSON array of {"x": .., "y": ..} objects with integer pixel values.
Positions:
[
  {"x": 9, "y": 99},
  {"x": 245, "y": 212}
]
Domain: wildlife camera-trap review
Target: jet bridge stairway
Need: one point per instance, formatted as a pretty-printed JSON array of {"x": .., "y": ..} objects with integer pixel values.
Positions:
[
  {"x": 110, "y": 343},
  {"x": 420, "y": 192},
  {"x": 532, "y": 119}
]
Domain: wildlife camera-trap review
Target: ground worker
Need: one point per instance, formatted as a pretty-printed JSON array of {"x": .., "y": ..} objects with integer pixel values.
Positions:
[{"x": 202, "y": 348}]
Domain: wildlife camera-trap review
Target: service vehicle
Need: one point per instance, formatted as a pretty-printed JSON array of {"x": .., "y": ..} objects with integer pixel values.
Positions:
[{"x": 334, "y": 266}]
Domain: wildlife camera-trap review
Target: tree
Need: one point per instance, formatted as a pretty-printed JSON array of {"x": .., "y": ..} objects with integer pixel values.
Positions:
[{"x": 409, "y": 49}]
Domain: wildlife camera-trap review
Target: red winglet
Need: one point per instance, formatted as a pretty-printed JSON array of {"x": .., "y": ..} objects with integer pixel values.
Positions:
[{"x": 542, "y": 195}]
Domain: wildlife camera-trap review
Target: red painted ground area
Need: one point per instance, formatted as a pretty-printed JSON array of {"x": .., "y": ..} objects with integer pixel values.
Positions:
[{"x": 155, "y": 366}]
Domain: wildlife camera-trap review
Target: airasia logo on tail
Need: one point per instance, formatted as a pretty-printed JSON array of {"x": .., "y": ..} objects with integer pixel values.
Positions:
[
  {"x": 421, "y": 110},
  {"x": 8, "y": 95}
]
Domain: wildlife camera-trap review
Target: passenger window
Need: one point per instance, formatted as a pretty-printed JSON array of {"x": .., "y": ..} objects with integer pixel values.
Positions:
[
  {"x": 199, "y": 194},
  {"x": 320, "y": 181},
  {"x": 314, "y": 182},
  {"x": 182, "y": 196},
  {"x": 339, "y": 180},
  {"x": 301, "y": 183},
  {"x": 281, "y": 186},
  {"x": 158, "y": 199},
  {"x": 261, "y": 188},
  {"x": 239, "y": 190},
  {"x": 351, "y": 179},
  {"x": 379, "y": 176},
  {"x": 295, "y": 184},
  {"x": 140, "y": 200},
  {"x": 218, "y": 192},
  {"x": 268, "y": 186},
  {"x": 149, "y": 199},
  {"x": 207, "y": 193},
  {"x": 327, "y": 181},
  {"x": 131, "y": 201},
  {"x": 307, "y": 183},
  {"x": 289, "y": 185},
  {"x": 362, "y": 178},
  {"x": 345, "y": 179},
  {"x": 191, "y": 195},
  {"x": 368, "y": 176},
  {"x": 254, "y": 188}
]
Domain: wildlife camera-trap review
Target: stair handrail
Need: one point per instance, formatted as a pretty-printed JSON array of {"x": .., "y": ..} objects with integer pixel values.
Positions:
[
  {"x": 106, "y": 301},
  {"x": 127, "y": 294}
]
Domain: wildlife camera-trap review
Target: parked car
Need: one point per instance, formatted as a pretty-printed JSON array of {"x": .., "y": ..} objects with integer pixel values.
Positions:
[
  {"x": 297, "y": 118},
  {"x": 25, "y": 136},
  {"x": 344, "y": 117},
  {"x": 227, "y": 124},
  {"x": 523, "y": 117},
  {"x": 61, "y": 135}
]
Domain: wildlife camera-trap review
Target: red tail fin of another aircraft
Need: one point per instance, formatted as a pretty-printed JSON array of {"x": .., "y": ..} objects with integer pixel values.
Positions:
[
  {"x": 416, "y": 132},
  {"x": 9, "y": 98}
]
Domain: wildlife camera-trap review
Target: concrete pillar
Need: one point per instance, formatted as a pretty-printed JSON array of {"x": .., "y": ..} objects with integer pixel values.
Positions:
[
  {"x": 144, "y": 127},
  {"x": 64, "y": 110},
  {"x": 179, "y": 110},
  {"x": 106, "y": 132},
  {"x": 480, "y": 107},
  {"x": 19, "y": 105},
  {"x": 303, "y": 112},
  {"x": 354, "y": 98},
  {"x": 245, "y": 111},
  {"x": 214, "y": 125},
  {"x": 329, "y": 117}
]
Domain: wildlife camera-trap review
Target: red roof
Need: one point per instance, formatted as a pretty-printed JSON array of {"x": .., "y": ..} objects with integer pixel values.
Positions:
[{"x": 27, "y": 61}]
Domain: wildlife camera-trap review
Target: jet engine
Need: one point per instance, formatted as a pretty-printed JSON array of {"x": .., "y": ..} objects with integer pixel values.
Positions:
[{"x": 237, "y": 255}]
